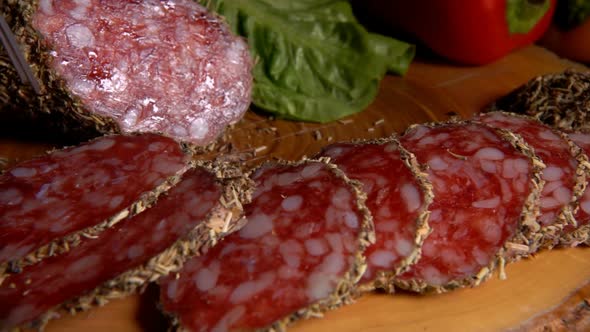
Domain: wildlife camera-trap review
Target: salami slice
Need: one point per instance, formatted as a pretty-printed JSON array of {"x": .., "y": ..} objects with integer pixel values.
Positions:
[
  {"x": 299, "y": 254},
  {"x": 398, "y": 195},
  {"x": 574, "y": 235},
  {"x": 191, "y": 217},
  {"x": 486, "y": 183},
  {"x": 564, "y": 176},
  {"x": 51, "y": 203},
  {"x": 129, "y": 66}
]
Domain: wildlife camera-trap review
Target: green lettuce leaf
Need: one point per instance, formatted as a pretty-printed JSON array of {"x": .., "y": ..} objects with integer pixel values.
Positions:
[{"x": 314, "y": 61}]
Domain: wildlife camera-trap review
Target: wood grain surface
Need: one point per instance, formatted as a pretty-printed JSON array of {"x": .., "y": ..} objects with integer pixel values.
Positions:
[{"x": 546, "y": 293}]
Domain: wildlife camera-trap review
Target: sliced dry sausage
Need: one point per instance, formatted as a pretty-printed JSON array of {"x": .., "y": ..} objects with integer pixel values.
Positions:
[
  {"x": 576, "y": 234},
  {"x": 486, "y": 185},
  {"x": 188, "y": 219},
  {"x": 299, "y": 254},
  {"x": 51, "y": 202},
  {"x": 398, "y": 195},
  {"x": 564, "y": 175}
]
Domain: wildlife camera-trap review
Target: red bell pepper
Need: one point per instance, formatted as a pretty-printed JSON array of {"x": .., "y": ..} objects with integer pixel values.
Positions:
[
  {"x": 468, "y": 31},
  {"x": 569, "y": 35}
]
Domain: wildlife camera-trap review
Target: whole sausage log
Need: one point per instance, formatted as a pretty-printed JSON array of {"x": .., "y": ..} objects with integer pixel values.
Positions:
[{"x": 127, "y": 66}]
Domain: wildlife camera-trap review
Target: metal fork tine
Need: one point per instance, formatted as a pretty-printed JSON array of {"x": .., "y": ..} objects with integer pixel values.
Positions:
[{"x": 16, "y": 56}]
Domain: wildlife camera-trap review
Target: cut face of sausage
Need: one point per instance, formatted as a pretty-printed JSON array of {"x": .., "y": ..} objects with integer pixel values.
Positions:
[
  {"x": 120, "y": 259},
  {"x": 398, "y": 195},
  {"x": 483, "y": 187},
  {"x": 564, "y": 174},
  {"x": 70, "y": 190},
  {"x": 157, "y": 66},
  {"x": 298, "y": 254}
]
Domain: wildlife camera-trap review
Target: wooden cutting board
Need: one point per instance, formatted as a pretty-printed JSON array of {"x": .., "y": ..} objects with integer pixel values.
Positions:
[{"x": 549, "y": 290}]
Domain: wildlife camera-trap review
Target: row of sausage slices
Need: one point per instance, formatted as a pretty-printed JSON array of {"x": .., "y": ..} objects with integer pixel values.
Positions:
[{"x": 440, "y": 207}]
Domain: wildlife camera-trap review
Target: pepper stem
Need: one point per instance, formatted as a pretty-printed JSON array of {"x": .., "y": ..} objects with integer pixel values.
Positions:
[{"x": 523, "y": 15}]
